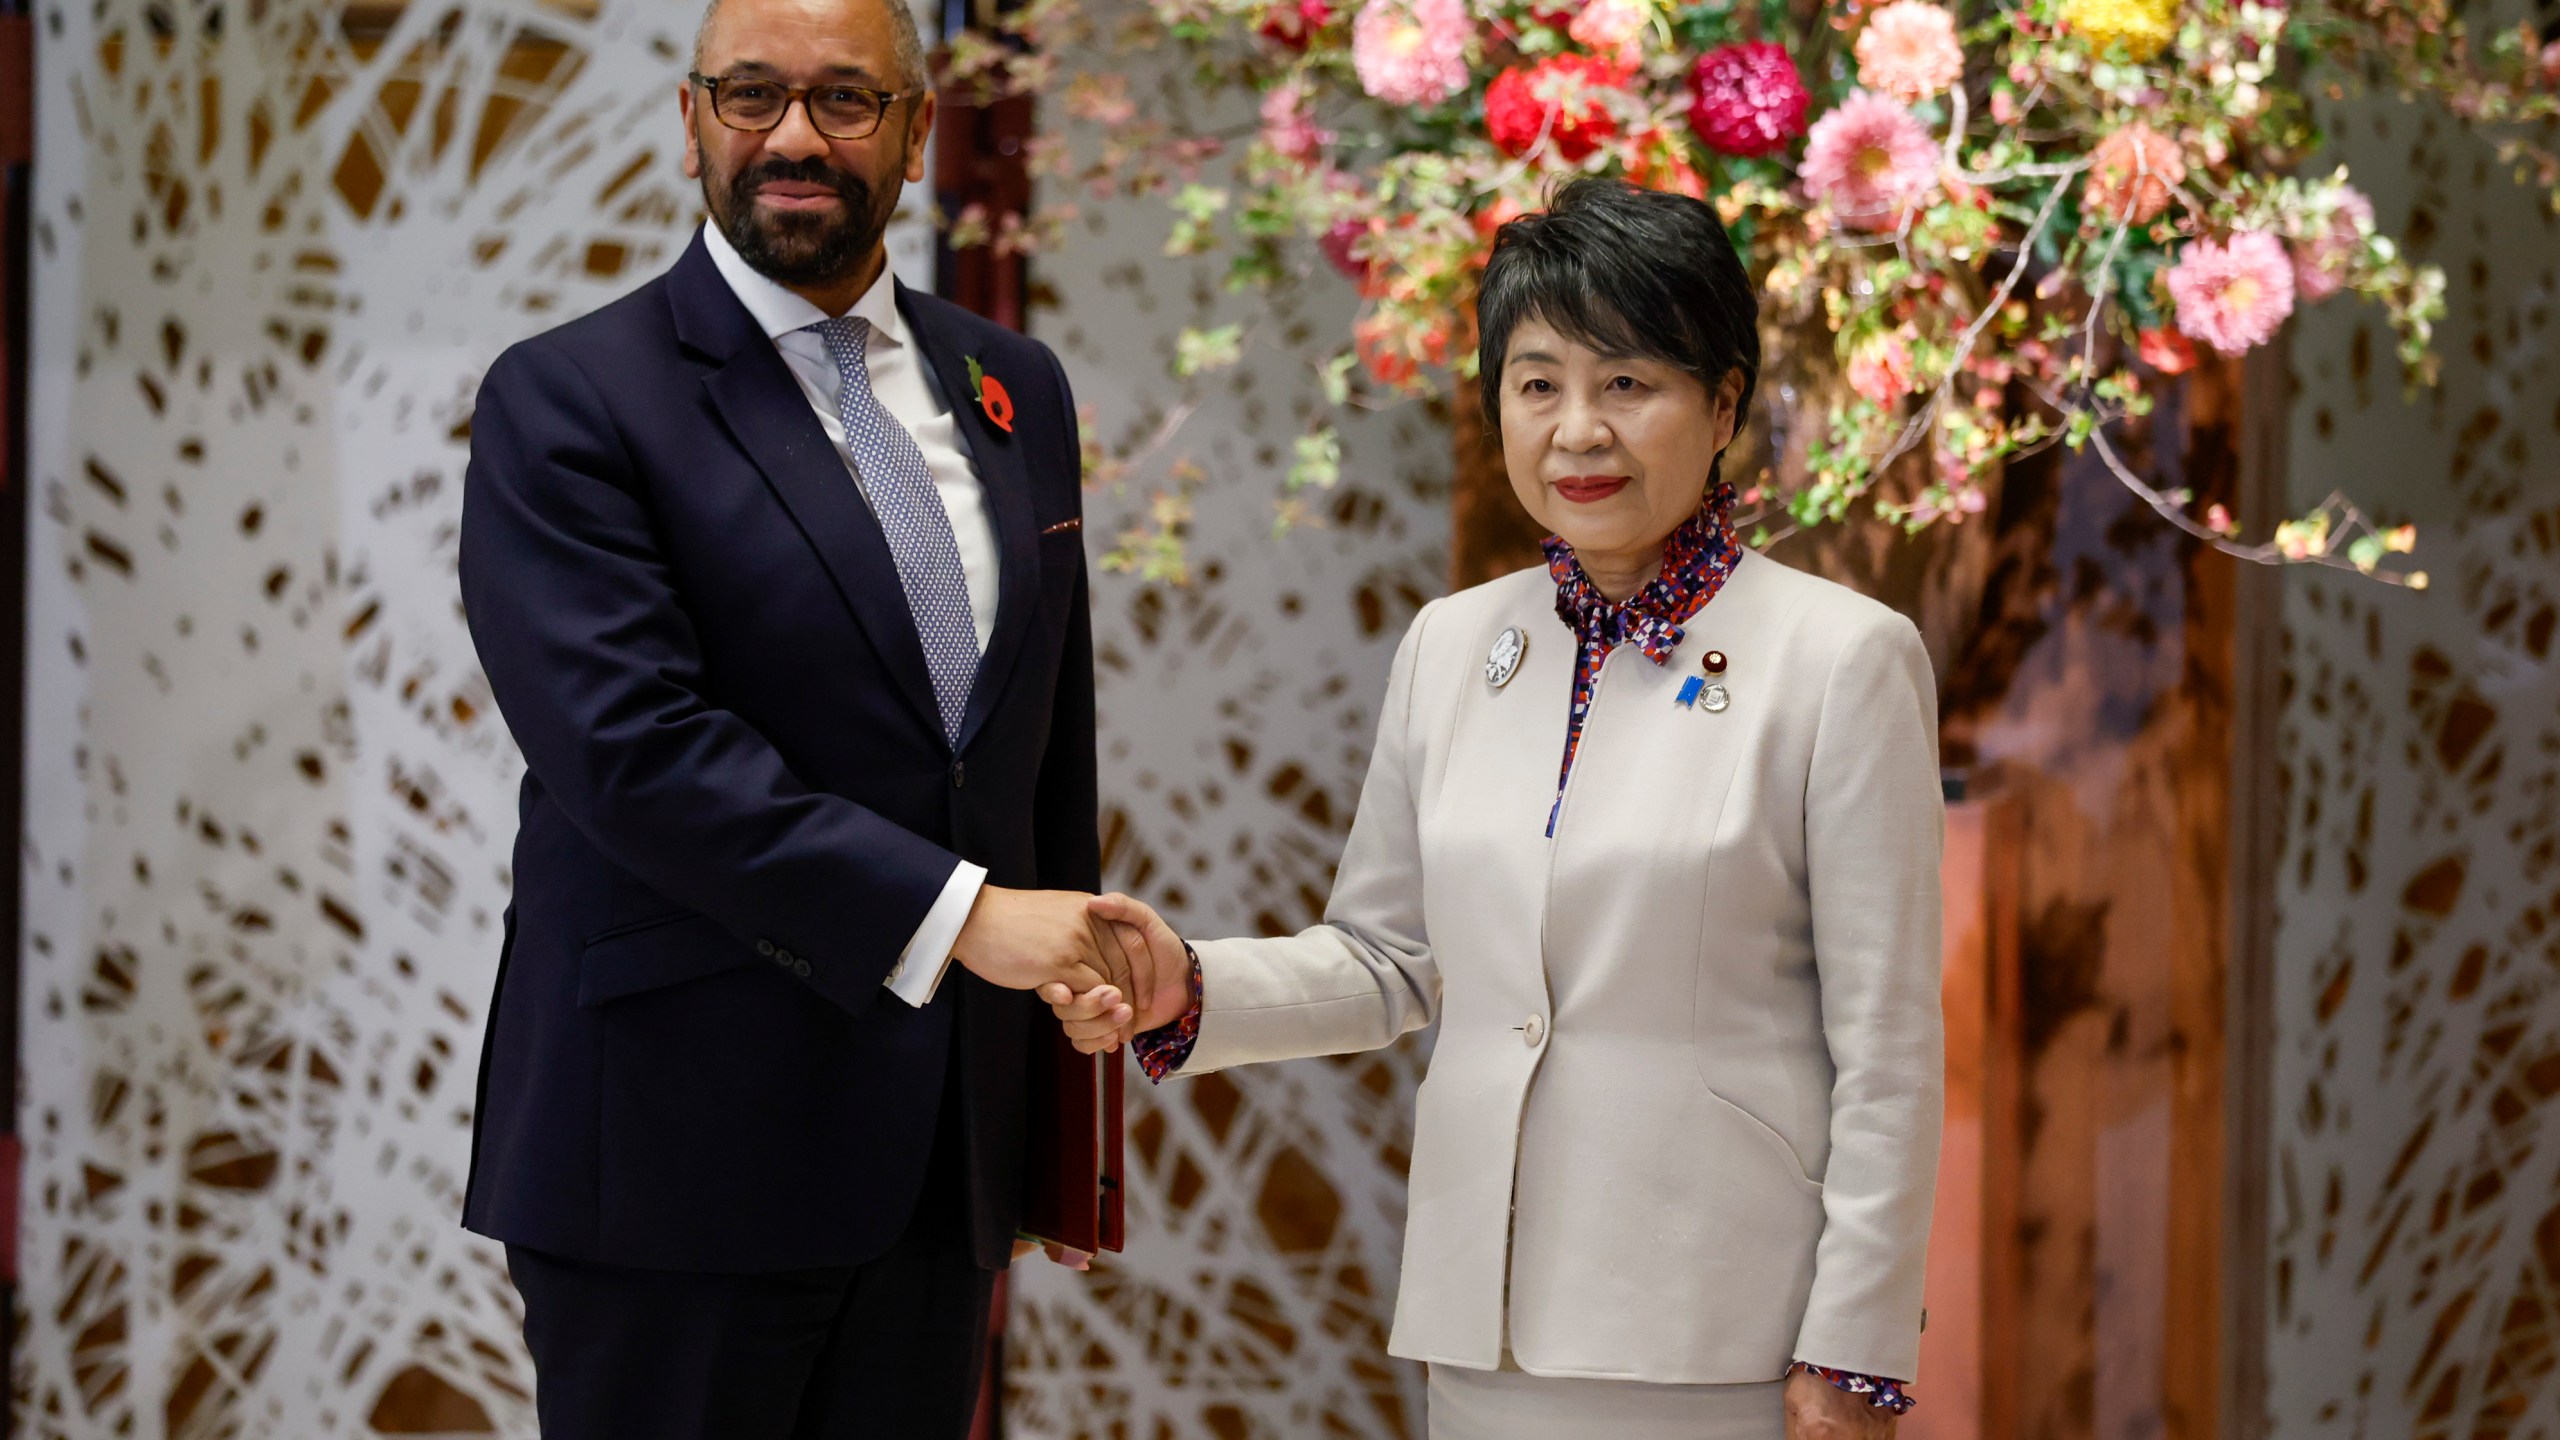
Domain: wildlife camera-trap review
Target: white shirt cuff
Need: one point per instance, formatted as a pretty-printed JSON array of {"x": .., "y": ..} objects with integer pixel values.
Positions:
[{"x": 928, "y": 954}]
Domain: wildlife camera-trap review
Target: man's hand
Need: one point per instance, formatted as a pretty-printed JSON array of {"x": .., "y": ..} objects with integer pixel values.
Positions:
[
  {"x": 1024, "y": 939},
  {"x": 1820, "y": 1410},
  {"x": 1153, "y": 990}
]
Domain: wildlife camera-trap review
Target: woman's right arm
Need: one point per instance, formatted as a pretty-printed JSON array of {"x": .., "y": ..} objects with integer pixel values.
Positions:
[{"x": 1356, "y": 982}]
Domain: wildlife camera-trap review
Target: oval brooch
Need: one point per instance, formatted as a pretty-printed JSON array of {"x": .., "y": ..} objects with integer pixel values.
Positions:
[{"x": 1504, "y": 661}]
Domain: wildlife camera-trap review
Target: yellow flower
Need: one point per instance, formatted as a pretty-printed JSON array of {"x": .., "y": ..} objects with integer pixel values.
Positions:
[{"x": 2143, "y": 27}]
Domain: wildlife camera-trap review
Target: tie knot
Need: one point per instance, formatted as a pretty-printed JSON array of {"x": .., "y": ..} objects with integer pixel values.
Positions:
[{"x": 844, "y": 336}]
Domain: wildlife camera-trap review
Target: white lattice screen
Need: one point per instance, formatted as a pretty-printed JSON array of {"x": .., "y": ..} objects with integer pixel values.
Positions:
[{"x": 270, "y": 804}]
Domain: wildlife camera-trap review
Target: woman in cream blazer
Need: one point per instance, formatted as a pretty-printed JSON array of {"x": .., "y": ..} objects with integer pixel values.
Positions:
[{"x": 1680, "y": 1129}]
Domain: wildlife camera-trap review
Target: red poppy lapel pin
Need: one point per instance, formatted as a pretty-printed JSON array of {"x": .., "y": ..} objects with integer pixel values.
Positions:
[{"x": 992, "y": 397}]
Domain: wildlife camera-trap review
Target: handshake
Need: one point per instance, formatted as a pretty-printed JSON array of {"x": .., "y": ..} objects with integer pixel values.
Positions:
[{"x": 1107, "y": 965}]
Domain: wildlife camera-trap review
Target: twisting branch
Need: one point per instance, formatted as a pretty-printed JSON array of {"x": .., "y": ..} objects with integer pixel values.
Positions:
[
  {"x": 2353, "y": 521},
  {"x": 1928, "y": 413}
]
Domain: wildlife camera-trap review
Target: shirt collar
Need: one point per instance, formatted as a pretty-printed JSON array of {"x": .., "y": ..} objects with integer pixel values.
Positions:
[{"x": 780, "y": 311}]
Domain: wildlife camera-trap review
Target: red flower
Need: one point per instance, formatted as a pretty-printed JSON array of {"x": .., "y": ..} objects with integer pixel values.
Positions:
[
  {"x": 1561, "y": 96},
  {"x": 1374, "y": 339},
  {"x": 1294, "y": 23},
  {"x": 1747, "y": 99},
  {"x": 992, "y": 397},
  {"x": 1659, "y": 164},
  {"x": 2166, "y": 351},
  {"x": 1338, "y": 243},
  {"x": 1501, "y": 212}
]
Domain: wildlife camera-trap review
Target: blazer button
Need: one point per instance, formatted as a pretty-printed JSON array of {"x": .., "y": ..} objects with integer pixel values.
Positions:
[
  {"x": 959, "y": 775},
  {"x": 782, "y": 957},
  {"x": 765, "y": 948},
  {"x": 1534, "y": 1031},
  {"x": 800, "y": 968}
]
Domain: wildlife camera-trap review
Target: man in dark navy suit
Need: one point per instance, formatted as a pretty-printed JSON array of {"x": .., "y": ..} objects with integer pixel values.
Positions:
[{"x": 776, "y": 569}]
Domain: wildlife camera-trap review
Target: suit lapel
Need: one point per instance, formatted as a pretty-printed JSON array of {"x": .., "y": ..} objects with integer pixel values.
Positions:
[
  {"x": 1007, "y": 478},
  {"x": 769, "y": 415}
]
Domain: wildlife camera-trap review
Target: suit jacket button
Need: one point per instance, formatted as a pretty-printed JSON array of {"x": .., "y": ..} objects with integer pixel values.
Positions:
[
  {"x": 959, "y": 775},
  {"x": 1534, "y": 1031},
  {"x": 800, "y": 968},
  {"x": 764, "y": 948},
  {"x": 782, "y": 957}
]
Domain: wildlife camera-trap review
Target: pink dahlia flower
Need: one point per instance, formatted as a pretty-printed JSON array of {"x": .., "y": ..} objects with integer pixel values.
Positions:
[
  {"x": 1287, "y": 127},
  {"x": 2320, "y": 263},
  {"x": 1747, "y": 99},
  {"x": 2233, "y": 295},
  {"x": 1909, "y": 51},
  {"x": 1411, "y": 52},
  {"x": 1870, "y": 160}
]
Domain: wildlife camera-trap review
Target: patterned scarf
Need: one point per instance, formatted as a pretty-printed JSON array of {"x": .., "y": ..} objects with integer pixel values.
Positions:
[{"x": 1696, "y": 558}]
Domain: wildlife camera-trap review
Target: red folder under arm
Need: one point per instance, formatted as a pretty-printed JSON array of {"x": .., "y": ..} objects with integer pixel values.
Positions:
[{"x": 1071, "y": 1185}]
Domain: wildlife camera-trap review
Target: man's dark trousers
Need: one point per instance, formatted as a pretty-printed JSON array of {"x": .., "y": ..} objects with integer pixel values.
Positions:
[
  {"x": 696, "y": 1096},
  {"x": 888, "y": 1348}
]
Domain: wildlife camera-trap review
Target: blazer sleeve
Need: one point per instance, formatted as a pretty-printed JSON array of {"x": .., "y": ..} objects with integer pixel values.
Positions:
[
  {"x": 1363, "y": 977},
  {"x": 1066, "y": 823},
  {"x": 1874, "y": 825},
  {"x": 600, "y": 676}
]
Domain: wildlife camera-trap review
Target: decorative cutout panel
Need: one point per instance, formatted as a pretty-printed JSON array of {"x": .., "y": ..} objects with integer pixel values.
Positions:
[{"x": 2415, "y": 1234}]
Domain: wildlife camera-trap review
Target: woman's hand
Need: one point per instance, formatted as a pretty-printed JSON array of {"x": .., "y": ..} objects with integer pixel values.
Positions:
[
  {"x": 1820, "y": 1410},
  {"x": 1098, "y": 1019}
]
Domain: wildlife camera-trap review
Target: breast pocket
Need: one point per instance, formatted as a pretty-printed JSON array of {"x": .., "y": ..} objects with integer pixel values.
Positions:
[
  {"x": 1061, "y": 552},
  {"x": 1061, "y": 559}
]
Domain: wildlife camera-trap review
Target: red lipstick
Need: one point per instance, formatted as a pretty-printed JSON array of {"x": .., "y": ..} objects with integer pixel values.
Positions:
[{"x": 1587, "y": 489}]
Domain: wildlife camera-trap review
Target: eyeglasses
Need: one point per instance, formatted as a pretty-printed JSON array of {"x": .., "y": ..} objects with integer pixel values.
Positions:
[{"x": 839, "y": 112}]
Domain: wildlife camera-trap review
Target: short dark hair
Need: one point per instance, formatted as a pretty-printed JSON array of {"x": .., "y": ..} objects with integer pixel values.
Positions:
[
  {"x": 903, "y": 36},
  {"x": 1626, "y": 271}
]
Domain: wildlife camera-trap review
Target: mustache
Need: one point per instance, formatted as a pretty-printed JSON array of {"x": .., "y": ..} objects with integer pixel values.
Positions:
[{"x": 853, "y": 190}]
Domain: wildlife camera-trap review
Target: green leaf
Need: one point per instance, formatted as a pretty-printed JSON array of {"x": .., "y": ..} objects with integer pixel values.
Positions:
[
  {"x": 1337, "y": 377},
  {"x": 1319, "y": 461},
  {"x": 1199, "y": 202},
  {"x": 1196, "y": 352}
]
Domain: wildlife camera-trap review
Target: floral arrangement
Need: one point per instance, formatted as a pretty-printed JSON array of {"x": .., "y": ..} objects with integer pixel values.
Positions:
[{"x": 1989, "y": 226}]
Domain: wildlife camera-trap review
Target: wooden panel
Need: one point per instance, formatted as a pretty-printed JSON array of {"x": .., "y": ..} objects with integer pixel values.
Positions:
[
  {"x": 980, "y": 159},
  {"x": 1969, "y": 1386},
  {"x": 2257, "y": 809},
  {"x": 1489, "y": 533},
  {"x": 2095, "y": 690}
]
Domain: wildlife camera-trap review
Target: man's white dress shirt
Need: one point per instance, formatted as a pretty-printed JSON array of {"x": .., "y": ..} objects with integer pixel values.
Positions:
[{"x": 899, "y": 379}]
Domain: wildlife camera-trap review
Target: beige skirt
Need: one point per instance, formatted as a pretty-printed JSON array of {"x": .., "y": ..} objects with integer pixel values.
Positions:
[{"x": 1510, "y": 1405}]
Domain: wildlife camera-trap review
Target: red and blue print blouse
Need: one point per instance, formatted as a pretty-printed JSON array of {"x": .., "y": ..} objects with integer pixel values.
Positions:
[{"x": 1696, "y": 559}]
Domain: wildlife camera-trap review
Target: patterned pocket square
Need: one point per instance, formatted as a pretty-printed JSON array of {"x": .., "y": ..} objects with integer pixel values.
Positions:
[{"x": 1063, "y": 526}]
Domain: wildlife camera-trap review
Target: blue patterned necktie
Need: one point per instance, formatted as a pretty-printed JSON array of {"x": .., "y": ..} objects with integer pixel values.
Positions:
[{"x": 899, "y": 487}]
